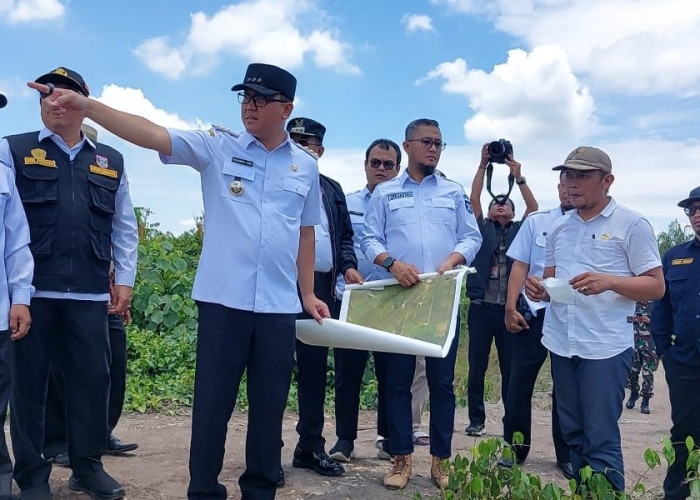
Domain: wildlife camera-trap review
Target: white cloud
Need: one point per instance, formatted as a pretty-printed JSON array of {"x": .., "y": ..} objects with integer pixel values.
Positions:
[
  {"x": 267, "y": 31},
  {"x": 634, "y": 46},
  {"x": 26, "y": 11},
  {"x": 417, "y": 22},
  {"x": 531, "y": 97}
]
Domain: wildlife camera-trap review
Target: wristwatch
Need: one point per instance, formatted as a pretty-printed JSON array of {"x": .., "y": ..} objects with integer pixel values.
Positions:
[
  {"x": 388, "y": 262},
  {"x": 522, "y": 181}
]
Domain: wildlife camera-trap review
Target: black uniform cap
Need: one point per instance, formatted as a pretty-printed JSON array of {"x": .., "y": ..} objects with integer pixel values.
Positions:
[
  {"x": 268, "y": 80},
  {"x": 306, "y": 126},
  {"x": 693, "y": 196},
  {"x": 3, "y": 101},
  {"x": 65, "y": 76}
]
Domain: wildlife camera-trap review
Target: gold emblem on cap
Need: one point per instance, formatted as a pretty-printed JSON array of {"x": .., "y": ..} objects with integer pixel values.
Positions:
[
  {"x": 236, "y": 187},
  {"x": 299, "y": 122},
  {"x": 294, "y": 168},
  {"x": 61, "y": 71}
]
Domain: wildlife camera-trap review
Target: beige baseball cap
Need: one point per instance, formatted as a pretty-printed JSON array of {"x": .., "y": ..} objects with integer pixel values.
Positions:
[{"x": 587, "y": 158}]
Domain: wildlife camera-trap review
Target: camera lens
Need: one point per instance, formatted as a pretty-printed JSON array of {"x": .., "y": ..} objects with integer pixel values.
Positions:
[{"x": 496, "y": 149}]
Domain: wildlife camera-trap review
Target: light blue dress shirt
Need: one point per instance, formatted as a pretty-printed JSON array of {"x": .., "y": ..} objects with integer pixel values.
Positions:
[
  {"x": 324, "y": 251},
  {"x": 420, "y": 223},
  {"x": 17, "y": 265},
  {"x": 125, "y": 237},
  {"x": 357, "y": 203},
  {"x": 255, "y": 201}
]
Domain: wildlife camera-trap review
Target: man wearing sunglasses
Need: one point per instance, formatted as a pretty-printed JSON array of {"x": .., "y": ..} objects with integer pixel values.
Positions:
[
  {"x": 675, "y": 325},
  {"x": 334, "y": 256},
  {"x": 76, "y": 197},
  {"x": 420, "y": 222},
  {"x": 382, "y": 163},
  {"x": 261, "y": 200}
]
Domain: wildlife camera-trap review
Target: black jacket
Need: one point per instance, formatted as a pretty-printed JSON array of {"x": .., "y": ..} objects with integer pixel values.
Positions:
[{"x": 340, "y": 228}]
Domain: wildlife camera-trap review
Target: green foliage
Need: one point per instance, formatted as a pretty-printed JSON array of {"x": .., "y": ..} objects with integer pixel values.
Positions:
[{"x": 675, "y": 235}]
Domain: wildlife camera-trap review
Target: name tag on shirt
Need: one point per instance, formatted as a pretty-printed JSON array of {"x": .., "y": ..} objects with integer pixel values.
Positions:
[
  {"x": 107, "y": 172},
  {"x": 680, "y": 262},
  {"x": 242, "y": 161}
]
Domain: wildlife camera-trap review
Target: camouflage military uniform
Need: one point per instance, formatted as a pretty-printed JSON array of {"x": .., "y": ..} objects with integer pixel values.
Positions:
[{"x": 645, "y": 358}]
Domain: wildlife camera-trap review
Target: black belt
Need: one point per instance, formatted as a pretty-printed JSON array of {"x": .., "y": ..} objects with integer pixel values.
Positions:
[{"x": 488, "y": 305}]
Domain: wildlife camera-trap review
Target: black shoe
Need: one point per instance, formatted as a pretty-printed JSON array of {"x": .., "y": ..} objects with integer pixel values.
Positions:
[
  {"x": 342, "y": 451},
  {"x": 115, "y": 446},
  {"x": 566, "y": 469},
  {"x": 320, "y": 463},
  {"x": 100, "y": 486},
  {"x": 61, "y": 459},
  {"x": 644, "y": 407},
  {"x": 281, "y": 481},
  {"x": 475, "y": 430},
  {"x": 632, "y": 400}
]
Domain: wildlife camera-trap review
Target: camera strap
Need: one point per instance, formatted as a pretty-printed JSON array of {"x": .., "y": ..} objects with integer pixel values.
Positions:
[{"x": 511, "y": 181}]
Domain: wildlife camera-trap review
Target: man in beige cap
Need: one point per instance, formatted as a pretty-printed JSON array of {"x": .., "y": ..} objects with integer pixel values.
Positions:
[{"x": 605, "y": 258}]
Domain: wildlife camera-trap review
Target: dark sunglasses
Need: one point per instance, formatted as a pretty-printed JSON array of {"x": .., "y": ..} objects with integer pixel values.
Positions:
[{"x": 387, "y": 164}]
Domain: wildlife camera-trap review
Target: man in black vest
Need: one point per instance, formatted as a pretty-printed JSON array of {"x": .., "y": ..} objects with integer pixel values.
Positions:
[
  {"x": 335, "y": 255},
  {"x": 76, "y": 198},
  {"x": 487, "y": 288}
]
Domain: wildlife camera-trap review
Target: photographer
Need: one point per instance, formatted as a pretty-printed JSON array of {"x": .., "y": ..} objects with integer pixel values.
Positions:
[{"x": 487, "y": 288}]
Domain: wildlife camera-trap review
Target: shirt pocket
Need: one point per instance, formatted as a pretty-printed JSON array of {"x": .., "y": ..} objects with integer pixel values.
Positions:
[
  {"x": 237, "y": 181},
  {"x": 609, "y": 256},
  {"x": 677, "y": 277},
  {"x": 103, "y": 191},
  {"x": 38, "y": 184},
  {"x": 401, "y": 211},
  {"x": 443, "y": 210},
  {"x": 290, "y": 200},
  {"x": 541, "y": 240}
]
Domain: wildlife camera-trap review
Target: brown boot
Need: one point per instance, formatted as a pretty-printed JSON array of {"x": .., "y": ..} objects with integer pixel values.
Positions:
[
  {"x": 438, "y": 473},
  {"x": 397, "y": 479}
]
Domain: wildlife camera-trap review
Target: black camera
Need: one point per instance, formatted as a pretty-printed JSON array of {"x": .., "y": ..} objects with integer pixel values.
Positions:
[{"x": 500, "y": 150}]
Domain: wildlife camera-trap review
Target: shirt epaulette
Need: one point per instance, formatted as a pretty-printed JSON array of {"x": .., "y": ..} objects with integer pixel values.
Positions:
[
  {"x": 306, "y": 150},
  {"x": 218, "y": 128}
]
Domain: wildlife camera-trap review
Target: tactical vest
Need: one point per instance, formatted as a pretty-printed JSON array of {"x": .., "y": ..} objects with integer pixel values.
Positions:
[
  {"x": 69, "y": 206},
  {"x": 491, "y": 234}
]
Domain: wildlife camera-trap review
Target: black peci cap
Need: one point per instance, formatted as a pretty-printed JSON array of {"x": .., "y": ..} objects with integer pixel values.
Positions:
[
  {"x": 268, "y": 80},
  {"x": 65, "y": 76},
  {"x": 306, "y": 126},
  {"x": 3, "y": 101}
]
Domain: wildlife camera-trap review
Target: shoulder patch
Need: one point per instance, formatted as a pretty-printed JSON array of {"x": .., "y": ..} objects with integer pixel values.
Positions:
[
  {"x": 218, "y": 128},
  {"x": 468, "y": 204}
]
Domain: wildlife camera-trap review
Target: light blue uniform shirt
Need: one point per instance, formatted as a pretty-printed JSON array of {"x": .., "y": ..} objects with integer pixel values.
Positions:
[
  {"x": 255, "y": 201},
  {"x": 420, "y": 223},
  {"x": 17, "y": 265},
  {"x": 324, "y": 252},
  {"x": 530, "y": 244},
  {"x": 125, "y": 237},
  {"x": 357, "y": 203}
]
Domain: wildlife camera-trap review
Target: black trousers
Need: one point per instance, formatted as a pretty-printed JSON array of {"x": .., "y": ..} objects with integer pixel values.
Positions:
[
  {"x": 72, "y": 335},
  {"x": 349, "y": 372},
  {"x": 5, "y": 460},
  {"x": 55, "y": 424},
  {"x": 683, "y": 383},
  {"x": 528, "y": 357},
  {"x": 229, "y": 342},
  {"x": 312, "y": 366},
  {"x": 486, "y": 323}
]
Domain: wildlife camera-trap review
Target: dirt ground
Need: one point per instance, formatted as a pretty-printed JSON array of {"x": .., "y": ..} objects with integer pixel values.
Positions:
[{"x": 158, "y": 469}]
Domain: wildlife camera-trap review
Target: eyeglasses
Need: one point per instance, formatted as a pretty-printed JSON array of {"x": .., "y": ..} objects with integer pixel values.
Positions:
[
  {"x": 259, "y": 100},
  {"x": 426, "y": 142},
  {"x": 306, "y": 143},
  {"x": 387, "y": 164},
  {"x": 690, "y": 211}
]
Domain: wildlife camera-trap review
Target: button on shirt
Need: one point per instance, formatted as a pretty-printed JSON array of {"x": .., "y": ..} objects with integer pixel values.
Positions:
[
  {"x": 618, "y": 242},
  {"x": 125, "y": 239},
  {"x": 357, "y": 203},
  {"x": 17, "y": 266},
  {"x": 678, "y": 312},
  {"x": 419, "y": 223},
  {"x": 251, "y": 235}
]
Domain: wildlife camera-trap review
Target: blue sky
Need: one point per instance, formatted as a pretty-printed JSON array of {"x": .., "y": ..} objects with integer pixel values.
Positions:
[{"x": 549, "y": 75}]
